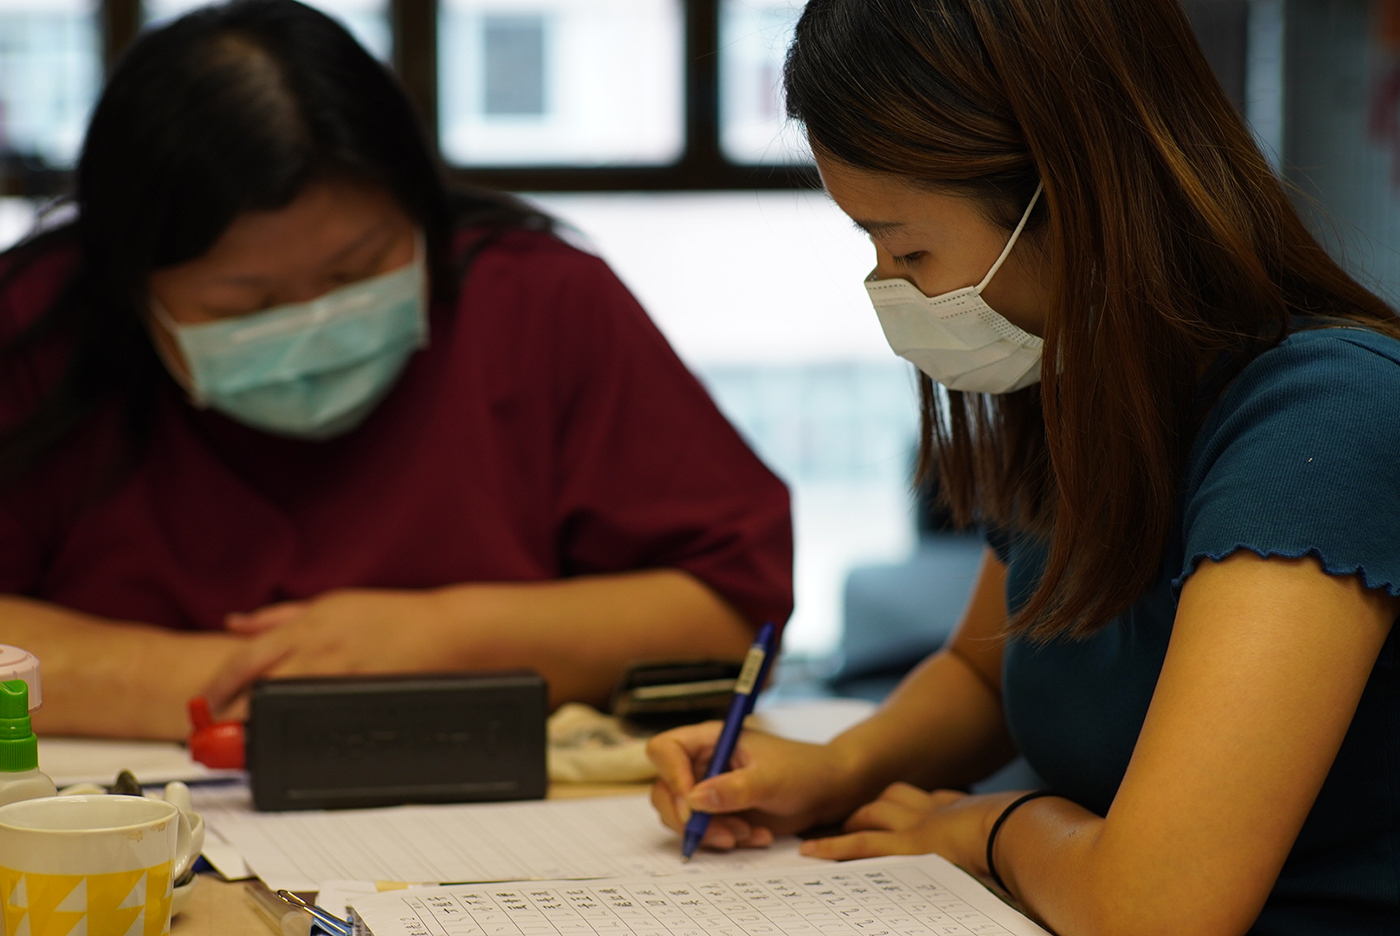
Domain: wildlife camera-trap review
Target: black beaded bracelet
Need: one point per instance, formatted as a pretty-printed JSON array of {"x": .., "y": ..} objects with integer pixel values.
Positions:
[{"x": 1016, "y": 804}]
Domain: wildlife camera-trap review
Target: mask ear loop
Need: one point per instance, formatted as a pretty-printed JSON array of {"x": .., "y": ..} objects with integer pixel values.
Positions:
[
  {"x": 162, "y": 316},
  {"x": 172, "y": 328},
  {"x": 1015, "y": 235},
  {"x": 425, "y": 290}
]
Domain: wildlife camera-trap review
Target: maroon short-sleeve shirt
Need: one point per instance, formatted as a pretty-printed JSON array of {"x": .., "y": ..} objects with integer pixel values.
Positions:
[{"x": 547, "y": 431}]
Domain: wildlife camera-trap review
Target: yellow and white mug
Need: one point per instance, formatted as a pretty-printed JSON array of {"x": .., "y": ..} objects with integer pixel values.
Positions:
[{"x": 90, "y": 865}]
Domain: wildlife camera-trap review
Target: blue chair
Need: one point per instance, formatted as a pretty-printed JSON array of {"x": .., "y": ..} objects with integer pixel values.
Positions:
[{"x": 897, "y": 614}]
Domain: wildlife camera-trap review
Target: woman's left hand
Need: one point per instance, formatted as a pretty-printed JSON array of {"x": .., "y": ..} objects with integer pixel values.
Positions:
[
  {"x": 341, "y": 632},
  {"x": 907, "y": 821}
]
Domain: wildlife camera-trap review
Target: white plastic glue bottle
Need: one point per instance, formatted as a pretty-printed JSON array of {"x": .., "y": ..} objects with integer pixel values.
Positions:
[{"x": 20, "y": 777}]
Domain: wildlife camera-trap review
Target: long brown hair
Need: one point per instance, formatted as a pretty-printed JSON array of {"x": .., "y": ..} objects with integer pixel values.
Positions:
[{"x": 1173, "y": 247}]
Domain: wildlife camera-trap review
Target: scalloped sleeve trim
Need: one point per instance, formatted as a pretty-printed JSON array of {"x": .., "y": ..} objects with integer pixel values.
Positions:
[{"x": 1336, "y": 569}]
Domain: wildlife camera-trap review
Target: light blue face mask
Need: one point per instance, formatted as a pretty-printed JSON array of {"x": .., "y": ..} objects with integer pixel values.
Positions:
[{"x": 309, "y": 370}]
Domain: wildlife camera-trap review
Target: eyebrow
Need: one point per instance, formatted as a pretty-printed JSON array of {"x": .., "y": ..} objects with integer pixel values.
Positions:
[
  {"x": 876, "y": 228},
  {"x": 341, "y": 254}
]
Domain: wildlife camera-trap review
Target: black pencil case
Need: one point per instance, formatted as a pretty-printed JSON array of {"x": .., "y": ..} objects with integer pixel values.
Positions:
[{"x": 340, "y": 742}]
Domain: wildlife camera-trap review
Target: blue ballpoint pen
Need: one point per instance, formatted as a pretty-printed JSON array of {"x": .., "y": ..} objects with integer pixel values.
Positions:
[
  {"x": 746, "y": 690},
  {"x": 331, "y": 924}
]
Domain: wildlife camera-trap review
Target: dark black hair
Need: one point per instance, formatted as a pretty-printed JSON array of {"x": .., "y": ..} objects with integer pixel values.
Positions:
[{"x": 231, "y": 108}]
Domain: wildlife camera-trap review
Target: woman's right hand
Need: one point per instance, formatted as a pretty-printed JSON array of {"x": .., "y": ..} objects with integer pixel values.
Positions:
[{"x": 776, "y": 786}]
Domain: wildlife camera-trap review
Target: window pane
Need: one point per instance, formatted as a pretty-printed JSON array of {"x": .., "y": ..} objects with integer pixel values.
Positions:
[
  {"x": 368, "y": 20},
  {"x": 513, "y": 71},
  {"x": 50, "y": 71},
  {"x": 753, "y": 39},
  {"x": 561, "y": 82},
  {"x": 16, "y": 218}
]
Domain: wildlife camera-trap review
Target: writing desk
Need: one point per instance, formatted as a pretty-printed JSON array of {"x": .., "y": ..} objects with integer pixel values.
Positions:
[{"x": 220, "y": 908}]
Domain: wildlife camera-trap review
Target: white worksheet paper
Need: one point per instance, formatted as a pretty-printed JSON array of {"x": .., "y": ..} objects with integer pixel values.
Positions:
[
  {"x": 919, "y": 896},
  {"x": 582, "y": 838},
  {"x": 99, "y": 760}
]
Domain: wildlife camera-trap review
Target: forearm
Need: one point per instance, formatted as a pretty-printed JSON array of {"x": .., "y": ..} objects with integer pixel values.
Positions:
[
  {"x": 109, "y": 678},
  {"x": 1079, "y": 876},
  {"x": 580, "y": 633},
  {"x": 1050, "y": 853},
  {"x": 941, "y": 728}
]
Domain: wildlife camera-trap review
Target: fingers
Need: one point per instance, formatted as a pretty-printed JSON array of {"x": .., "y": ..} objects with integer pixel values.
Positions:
[
  {"x": 774, "y": 784},
  {"x": 723, "y": 833},
  {"x": 900, "y": 808},
  {"x": 906, "y": 795},
  {"x": 237, "y": 710},
  {"x": 759, "y": 837},
  {"x": 734, "y": 791},
  {"x": 883, "y": 815},
  {"x": 675, "y": 753},
  {"x": 728, "y": 832},
  {"x": 264, "y": 619},
  {"x": 670, "y": 807},
  {"x": 861, "y": 845},
  {"x": 258, "y": 657}
]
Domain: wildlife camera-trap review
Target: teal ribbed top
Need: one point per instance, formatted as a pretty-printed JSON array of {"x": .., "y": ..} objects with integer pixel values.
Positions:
[{"x": 1300, "y": 456}]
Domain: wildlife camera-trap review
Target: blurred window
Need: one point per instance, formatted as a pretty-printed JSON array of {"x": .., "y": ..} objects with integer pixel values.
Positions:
[
  {"x": 16, "y": 218},
  {"x": 753, "y": 40},
  {"x": 561, "y": 82},
  {"x": 762, "y": 295},
  {"x": 513, "y": 75},
  {"x": 50, "y": 72},
  {"x": 368, "y": 20}
]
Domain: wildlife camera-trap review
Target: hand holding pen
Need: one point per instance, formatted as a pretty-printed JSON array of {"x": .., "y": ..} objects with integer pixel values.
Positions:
[{"x": 751, "y": 678}]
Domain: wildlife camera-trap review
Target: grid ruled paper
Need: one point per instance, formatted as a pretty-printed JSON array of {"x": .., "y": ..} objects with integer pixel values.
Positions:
[{"x": 919, "y": 896}]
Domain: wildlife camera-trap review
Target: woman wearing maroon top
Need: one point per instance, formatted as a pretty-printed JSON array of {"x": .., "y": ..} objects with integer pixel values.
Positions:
[{"x": 276, "y": 403}]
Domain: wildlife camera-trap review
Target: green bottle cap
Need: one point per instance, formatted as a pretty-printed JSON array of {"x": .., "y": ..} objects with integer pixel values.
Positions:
[{"x": 19, "y": 748}]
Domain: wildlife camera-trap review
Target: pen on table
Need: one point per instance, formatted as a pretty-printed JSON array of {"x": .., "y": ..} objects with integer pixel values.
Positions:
[
  {"x": 746, "y": 690},
  {"x": 284, "y": 920},
  {"x": 325, "y": 919}
]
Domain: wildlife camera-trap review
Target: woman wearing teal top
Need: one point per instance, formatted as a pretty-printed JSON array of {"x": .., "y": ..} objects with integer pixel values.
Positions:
[{"x": 1180, "y": 421}]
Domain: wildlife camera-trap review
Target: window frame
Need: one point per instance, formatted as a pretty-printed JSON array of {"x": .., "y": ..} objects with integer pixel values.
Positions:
[{"x": 702, "y": 165}]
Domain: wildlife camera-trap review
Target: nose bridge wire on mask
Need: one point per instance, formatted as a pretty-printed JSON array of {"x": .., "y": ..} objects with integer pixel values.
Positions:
[{"x": 317, "y": 311}]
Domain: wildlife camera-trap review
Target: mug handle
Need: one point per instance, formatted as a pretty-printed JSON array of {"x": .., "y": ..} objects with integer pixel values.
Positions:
[
  {"x": 189, "y": 849},
  {"x": 185, "y": 852}
]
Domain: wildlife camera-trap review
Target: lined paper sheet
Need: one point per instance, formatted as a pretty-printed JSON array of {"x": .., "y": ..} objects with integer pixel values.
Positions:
[
  {"x": 583, "y": 838},
  {"x": 919, "y": 896},
  {"x": 99, "y": 760}
]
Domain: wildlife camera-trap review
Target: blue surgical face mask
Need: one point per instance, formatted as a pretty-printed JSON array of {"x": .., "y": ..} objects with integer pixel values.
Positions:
[{"x": 308, "y": 370}]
